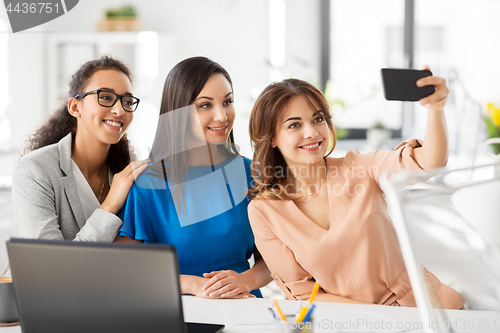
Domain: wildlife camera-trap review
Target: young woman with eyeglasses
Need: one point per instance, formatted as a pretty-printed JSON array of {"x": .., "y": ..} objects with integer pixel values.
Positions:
[
  {"x": 194, "y": 193},
  {"x": 77, "y": 171}
]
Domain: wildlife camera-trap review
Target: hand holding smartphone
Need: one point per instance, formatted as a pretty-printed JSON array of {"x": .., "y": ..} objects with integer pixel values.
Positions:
[{"x": 400, "y": 84}]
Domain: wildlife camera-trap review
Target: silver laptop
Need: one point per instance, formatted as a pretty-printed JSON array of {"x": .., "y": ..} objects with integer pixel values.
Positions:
[{"x": 64, "y": 286}]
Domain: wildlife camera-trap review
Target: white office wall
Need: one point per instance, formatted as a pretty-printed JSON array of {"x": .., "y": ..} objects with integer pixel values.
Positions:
[
  {"x": 234, "y": 33},
  {"x": 302, "y": 40},
  {"x": 26, "y": 84},
  {"x": 4, "y": 83},
  {"x": 471, "y": 42}
]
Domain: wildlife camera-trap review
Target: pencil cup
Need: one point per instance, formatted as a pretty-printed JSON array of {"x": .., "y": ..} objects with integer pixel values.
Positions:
[{"x": 290, "y": 326}]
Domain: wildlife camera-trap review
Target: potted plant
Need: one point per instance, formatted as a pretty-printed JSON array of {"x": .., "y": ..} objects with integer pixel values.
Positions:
[
  {"x": 492, "y": 145},
  {"x": 377, "y": 136},
  {"x": 492, "y": 121},
  {"x": 120, "y": 19}
]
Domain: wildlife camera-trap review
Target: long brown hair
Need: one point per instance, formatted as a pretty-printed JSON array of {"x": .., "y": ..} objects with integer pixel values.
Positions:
[
  {"x": 268, "y": 163},
  {"x": 61, "y": 123},
  {"x": 169, "y": 158}
]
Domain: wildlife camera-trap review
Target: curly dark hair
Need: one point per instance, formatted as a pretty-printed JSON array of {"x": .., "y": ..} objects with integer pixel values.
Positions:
[{"x": 62, "y": 122}]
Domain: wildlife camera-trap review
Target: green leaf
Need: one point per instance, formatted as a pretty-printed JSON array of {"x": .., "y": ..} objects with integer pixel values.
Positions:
[
  {"x": 341, "y": 133},
  {"x": 493, "y": 132}
]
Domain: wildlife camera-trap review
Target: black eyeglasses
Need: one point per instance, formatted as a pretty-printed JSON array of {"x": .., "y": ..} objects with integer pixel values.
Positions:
[{"x": 108, "y": 99}]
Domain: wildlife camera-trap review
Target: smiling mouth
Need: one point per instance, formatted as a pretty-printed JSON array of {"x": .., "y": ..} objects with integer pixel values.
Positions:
[
  {"x": 113, "y": 123},
  {"x": 312, "y": 145},
  {"x": 218, "y": 128}
]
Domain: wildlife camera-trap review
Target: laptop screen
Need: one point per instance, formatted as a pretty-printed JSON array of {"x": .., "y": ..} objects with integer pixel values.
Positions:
[{"x": 93, "y": 287}]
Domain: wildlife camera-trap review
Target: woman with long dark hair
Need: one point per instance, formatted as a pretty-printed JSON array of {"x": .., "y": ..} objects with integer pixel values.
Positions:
[
  {"x": 76, "y": 171},
  {"x": 194, "y": 194}
]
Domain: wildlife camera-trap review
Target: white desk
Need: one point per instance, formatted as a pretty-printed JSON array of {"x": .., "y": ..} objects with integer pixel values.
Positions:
[{"x": 211, "y": 311}]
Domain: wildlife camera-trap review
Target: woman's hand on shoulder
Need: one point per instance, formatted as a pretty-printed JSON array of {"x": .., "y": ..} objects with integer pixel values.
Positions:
[
  {"x": 226, "y": 284},
  {"x": 122, "y": 182},
  {"x": 437, "y": 100}
]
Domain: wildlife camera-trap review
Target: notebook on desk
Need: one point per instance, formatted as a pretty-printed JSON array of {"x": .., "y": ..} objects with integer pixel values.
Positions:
[{"x": 64, "y": 286}]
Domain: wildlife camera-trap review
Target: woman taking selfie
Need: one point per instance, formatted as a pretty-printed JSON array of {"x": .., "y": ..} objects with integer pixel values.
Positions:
[
  {"x": 194, "y": 194},
  {"x": 77, "y": 173},
  {"x": 322, "y": 219}
]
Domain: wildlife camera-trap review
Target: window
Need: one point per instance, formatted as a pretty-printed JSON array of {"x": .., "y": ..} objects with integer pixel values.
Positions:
[
  {"x": 460, "y": 40},
  {"x": 365, "y": 36}
]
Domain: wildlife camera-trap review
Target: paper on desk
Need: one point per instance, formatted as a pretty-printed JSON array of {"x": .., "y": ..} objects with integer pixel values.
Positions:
[{"x": 247, "y": 315}]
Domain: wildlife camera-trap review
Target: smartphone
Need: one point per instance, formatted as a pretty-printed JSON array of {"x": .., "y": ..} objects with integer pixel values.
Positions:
[{"x": 401, "y": 84}]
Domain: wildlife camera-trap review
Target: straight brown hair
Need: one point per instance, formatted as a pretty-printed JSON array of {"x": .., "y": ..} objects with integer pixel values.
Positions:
[{"x": 169, "y": 158}]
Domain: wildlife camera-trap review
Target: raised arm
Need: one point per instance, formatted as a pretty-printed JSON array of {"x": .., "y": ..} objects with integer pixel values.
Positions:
[{"x": 434, "y": 151}]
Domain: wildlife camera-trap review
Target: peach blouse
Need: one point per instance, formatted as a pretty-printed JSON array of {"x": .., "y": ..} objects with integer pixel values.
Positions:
[{"x": 359, "y": 256}]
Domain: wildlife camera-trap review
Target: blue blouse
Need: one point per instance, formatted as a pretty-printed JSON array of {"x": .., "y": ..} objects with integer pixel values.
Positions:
[{"x": 209, "y": 227}]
